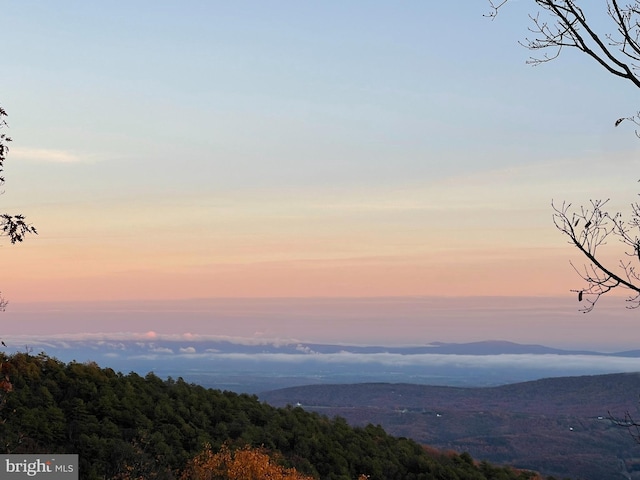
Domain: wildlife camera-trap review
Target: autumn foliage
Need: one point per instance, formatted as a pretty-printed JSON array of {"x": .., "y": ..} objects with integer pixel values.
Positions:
[{"x": 245, "y": 463}]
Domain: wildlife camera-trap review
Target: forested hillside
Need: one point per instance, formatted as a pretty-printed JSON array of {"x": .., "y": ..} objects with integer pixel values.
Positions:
[
  {"x": 133, "y": 427},
  {"x": 539, "y": 424}
]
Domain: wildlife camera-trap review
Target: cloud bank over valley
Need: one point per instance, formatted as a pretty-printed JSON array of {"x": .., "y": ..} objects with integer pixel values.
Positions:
[{"x": 257, "y": 364}]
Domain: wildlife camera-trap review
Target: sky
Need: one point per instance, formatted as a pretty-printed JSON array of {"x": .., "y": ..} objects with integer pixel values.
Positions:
[{"x": 180, "y": 151}]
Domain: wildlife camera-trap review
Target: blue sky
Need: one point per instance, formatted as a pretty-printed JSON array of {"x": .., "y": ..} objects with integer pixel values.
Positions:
[{"x": 218, "y": 95}]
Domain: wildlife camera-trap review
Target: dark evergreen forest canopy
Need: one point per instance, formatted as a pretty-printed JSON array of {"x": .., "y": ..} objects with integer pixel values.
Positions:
[{"x": 128, "y": 426}]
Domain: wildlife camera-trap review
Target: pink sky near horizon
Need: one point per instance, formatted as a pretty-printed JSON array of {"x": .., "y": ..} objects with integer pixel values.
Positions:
[
  {"x": 500, "y": 267},
  {"x": 550, "y": 321},
  {"x": 481, "y": 274}
]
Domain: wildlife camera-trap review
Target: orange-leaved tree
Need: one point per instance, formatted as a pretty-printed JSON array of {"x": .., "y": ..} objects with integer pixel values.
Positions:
[{"x": 246, "y": 463}]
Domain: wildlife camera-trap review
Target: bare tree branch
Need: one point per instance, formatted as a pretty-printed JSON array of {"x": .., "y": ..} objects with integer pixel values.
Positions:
[
  {"x": 627, "y": 421},
  {"x": 589, "y": 229},
  {"x": 563, "y": 23}
]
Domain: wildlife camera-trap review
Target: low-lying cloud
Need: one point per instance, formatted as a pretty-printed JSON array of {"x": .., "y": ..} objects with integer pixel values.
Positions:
[
  {"x": 189, "y": 353},
  {"x": 46, "y": 155}
]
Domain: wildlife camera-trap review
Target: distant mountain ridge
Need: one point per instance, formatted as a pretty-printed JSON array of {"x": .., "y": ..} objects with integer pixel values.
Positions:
[
  {"x": 190, "y": 345},
  {"x": 502, "y": 347},
  {"x": 587, "y": 396},
  {"x": 488, "y": 347}
]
